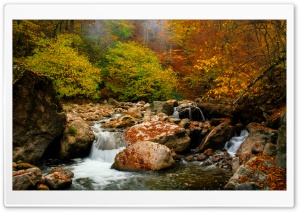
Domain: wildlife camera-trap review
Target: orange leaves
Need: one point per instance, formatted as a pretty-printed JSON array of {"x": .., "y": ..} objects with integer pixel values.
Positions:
[{"x": 276, "y": 176}]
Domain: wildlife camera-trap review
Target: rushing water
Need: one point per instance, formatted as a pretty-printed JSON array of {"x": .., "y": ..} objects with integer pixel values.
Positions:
[
  {"x": 95, "y": 173},
  {"x": 235, "y": 142},
  {"x": 188, "y": 108}
]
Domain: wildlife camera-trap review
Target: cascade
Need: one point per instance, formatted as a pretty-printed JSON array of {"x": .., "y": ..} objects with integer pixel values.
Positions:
[
  {"x": 200, "y": 111},
  {"x": 235, "y": 142},
  {"x": 188, "y": 107},
  {"x": 106, "y": 144},
  {"x": 190, "y": 112},
  {"x": 176, "y": 113}
]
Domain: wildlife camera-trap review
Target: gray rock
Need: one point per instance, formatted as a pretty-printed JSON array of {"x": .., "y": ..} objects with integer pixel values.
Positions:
[
  {"x": 258, "y": 137},
  {"x": 281, "y": 143},
  {"x": 162, "y": 107},
  {"x": 270, "y": 149},
  {"x": 235, "y": 164},
  {"x": 248, "y": 186}
]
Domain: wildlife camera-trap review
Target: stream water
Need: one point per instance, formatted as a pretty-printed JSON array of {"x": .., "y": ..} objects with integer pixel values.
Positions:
[{"x": 95, "y": 173}]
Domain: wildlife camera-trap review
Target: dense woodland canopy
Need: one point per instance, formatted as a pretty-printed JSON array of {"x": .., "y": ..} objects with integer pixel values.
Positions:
[{"x": 227, "y": 61}]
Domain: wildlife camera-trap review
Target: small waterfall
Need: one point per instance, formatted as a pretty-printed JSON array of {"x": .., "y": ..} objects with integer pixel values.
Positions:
[
  {"x": 106, "y": 144},
  {"x": 192, "y": 111},
  {"x": 235, "y": 142},
  {"x": 200, "y": 111},
  {"x": 176, "y": 113}
]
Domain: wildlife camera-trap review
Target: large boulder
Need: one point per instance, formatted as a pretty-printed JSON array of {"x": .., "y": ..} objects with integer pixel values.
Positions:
[
  {"x": 212, "y": 110},
  {"x": 77, "y": 139},
  {"x": 260, "y": 172},
  {"x": 281, "y": 143},
  {"x": 275, "y": 119},
  {"x": 256, "y": 140},
  {"x": 168, "y": 134},
  {"x": 217, "y": 137},
  {"x": 26, "y": 179},
  {"x": 38, "y": 116},
  {"x": 162, "y": 107},
  {"x": 143, "y": 156}
]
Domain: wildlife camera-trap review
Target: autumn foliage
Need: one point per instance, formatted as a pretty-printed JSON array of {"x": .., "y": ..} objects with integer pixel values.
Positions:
[
  {"x": 232, "y": 61},
  {"x": 73, "y": 75},
  {"x": 132, "y": 72}
]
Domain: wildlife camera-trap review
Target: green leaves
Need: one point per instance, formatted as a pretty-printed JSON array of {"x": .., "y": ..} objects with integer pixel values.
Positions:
[
  {"x": 133, "y": 72},
  {"x": 73, "y": 74}
]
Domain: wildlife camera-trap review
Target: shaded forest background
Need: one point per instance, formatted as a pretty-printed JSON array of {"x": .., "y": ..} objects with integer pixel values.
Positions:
[{"x": 224, "y": 61}]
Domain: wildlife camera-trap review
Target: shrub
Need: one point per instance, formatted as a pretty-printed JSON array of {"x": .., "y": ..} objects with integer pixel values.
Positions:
[
  {"x": 132, "y": 72},
  {"x": 73, "y": 74}
]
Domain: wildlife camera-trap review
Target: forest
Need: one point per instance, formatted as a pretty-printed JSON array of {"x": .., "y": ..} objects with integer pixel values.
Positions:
[
  {"x": 226, "y": 61},
  {"x": 149, "y": 104}
]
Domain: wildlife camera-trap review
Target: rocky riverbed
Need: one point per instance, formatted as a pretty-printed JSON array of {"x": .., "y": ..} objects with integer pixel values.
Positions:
[{"x": 159, "y": 145}]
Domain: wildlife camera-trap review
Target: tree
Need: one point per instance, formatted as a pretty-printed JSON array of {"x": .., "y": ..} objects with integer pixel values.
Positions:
[
  {"x": 132, "y": 72},
  {"x": 73, "y": 75},
  {"x": 220, "y": 59}
]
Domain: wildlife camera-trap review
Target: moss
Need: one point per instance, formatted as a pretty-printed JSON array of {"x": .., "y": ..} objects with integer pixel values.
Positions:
[{"x": 72, "y": 130}]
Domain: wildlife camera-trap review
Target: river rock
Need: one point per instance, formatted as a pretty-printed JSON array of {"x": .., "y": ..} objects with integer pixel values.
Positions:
[
  {"x": 59, "y": 178},
  {"x": 22, "y": 166},
  {"x": 256, "y": 140},
  {"x": 217, "y": 137},
  {"x": 162, "y": 107},
  {"x": 260, "y": 170},
  {"x": 212, "y": 110},
  {"x": 38, "y": 116},
  {"x": 281, "y": 143},
  {"x": 58, "y": 181},
  {"x": 114, "y": 102},
  {"x": 77, "y": 139},
  {"x": 143, "y": 156},
  {"x": 168, "y": 134},
  {"x": 248, "y": 186},
  {"x": 185, "y": 123},
  {"x": 121, "y": 122},
  {"x": 63, "y": 171},
  {"x": 269, "y": 149},
  {"x": 135, "y": 112},
  {"x": 26, "y": 179}
]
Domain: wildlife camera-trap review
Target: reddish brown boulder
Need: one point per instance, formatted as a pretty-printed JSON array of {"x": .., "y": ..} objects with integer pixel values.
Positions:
[
  {"x": 26, "y": 179},
  {"x": 168, "y": 134},
  {"x": 59, "y": 178},
  {"x": 143, "y": 156}
]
